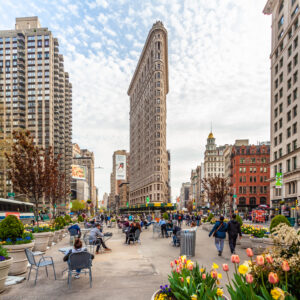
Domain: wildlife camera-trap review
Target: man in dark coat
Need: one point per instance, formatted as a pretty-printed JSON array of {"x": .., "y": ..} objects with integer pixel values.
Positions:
[{"x": 233, "y": 229}]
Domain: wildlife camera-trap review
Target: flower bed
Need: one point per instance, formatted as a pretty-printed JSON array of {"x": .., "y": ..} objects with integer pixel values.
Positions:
[{"x": 5, "y": 263}]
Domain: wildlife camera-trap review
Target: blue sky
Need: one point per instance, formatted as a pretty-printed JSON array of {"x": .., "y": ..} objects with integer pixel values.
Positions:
[{"x": 218, "y": 71}]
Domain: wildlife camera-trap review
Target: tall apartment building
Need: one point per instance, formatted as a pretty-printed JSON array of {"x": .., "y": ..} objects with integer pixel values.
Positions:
[
  {"x": 119, "y": 175},
  {"x": 147, "y": 91},
  {"x": 184, "y": 194},
  {"x": 35, "y": 91},
  {"x": 85, "y": 158},
  {"x": 285, "y": 93}
]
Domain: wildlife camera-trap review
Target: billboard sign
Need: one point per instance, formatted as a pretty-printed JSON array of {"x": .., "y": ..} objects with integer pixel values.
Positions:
[
  {"x": 278, "y": 183},
  {"x": 78, "y": 172},
  {"x": 120, "y": 167}
]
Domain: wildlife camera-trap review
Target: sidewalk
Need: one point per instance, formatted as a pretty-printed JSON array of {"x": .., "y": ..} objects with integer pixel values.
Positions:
[{"x": 128, "y": 272}]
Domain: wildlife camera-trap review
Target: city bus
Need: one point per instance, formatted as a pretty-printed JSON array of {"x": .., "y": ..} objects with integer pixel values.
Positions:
[{"x": 22, "y": 210}]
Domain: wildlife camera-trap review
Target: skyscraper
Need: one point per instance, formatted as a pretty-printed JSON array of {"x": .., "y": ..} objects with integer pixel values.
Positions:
[
  {"x": 147, "y": 91},
  {"x": 35, "y": 92},
  {"x": 285, "y": 93}
]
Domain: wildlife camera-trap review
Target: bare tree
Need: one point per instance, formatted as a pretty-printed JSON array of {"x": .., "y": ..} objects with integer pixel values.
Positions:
[
  {"x": 216, "y": 189},
  {"x": 26, "y": 168}
]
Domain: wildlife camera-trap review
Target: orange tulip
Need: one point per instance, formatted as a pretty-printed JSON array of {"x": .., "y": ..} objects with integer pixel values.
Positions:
[
  {"x": 178, "y": 270},
  {"x": 260, "y": 260},
  {"x": 285, "y": 266},
  {"x": 273, "y": 278},
  {"x": 203, "y": 276},
  {"x": 269, "y": 259},
  {"x": 172, "y": 264},
  {"x": 214, "y": 274},
  {"x": 182, "y": 280},
  {"x": 190, "y": 266},
  {"x": 249, "y": 252},
  {"x": 225, "y": 267},
  {"x": 235, "y": 259},
  {"x": 249, "y": 278}
]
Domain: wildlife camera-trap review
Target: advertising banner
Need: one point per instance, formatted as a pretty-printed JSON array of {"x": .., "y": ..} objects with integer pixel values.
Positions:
[
  {"x": 120, "y": 167},
  {"x": 278, "y": 183},
  {"x": 78, "y": 172}
]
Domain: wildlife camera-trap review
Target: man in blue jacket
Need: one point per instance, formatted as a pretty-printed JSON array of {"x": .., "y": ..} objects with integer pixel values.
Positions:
[{"x": 219, "y": 232}]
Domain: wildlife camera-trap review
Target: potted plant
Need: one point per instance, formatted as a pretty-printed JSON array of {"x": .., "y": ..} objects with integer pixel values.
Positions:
[
  {"x": 41, "y": 235},
  {"x": 188, "y": 281},
  {"x": 247, "y": 230},
  {"x": 15, "y": 240},
  {"x": 5, "y": 263},
  {"x": 60, "y": 223},
  {"x": 257, "y": 240}
]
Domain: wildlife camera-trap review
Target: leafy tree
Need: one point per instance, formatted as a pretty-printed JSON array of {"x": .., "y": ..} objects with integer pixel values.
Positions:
[
  {"x": 77, "y": 206},
  {"x": 216, "y": 188},
  {"x": 277, "y": 220}
]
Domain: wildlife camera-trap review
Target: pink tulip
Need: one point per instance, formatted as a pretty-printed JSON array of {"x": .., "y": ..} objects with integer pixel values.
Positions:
[
  {"x": 269, "y": 259},
  {"x": 249, "y": 278},
  {"x": 249, "y": 252},
  {"x": 225, "y": 267},
  {"x": 172, "y": 264},
  {"x": 260, "y": 260},
  {"x": 273, "y": 278},
  {"x": 235, "y": 259},
  {"x": 203, "y": 276},
  {"x": 285, "y": 266}
]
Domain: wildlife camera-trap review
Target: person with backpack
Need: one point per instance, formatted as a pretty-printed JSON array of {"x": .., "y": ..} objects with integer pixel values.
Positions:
[
  {"x": 219, "y": 232},
  {"x": 234, "y": 229}
]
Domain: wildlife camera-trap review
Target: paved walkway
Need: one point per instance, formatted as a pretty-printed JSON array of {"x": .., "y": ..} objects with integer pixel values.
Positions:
[{"x": 128, "y": 272}]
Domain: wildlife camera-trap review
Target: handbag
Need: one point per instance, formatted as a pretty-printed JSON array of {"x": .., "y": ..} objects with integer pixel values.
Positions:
[{"x": 214, "y": 234}]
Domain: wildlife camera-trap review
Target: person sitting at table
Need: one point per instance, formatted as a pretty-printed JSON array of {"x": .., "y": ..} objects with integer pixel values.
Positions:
[
  {"x": 77, "y": 228},
  {"x": 96, "y": 238},
  {"x": 77, "y": 248}
]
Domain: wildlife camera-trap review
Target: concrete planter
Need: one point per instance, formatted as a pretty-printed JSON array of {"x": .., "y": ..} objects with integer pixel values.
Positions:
[
  {"x": 41, "y": 241},
  {"x": 60, "y": 234},
  {"x": 51, "y": 236},
  {"x": 4, "y": 267},
  {"x": 56, "y": 236},
  {"x": 17, "y": 252},
  {"x": 257, "y": 245},
  {"x": 245, "y": 241},
  {"x": 154, "y": 295}
]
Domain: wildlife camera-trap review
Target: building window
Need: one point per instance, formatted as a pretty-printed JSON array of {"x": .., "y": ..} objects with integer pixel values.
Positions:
[
  {"x": 275, "y": 141},
  {"x": 289, "y": 67},
  {"x": 294, "y": 145},
  {"x": 289, "y": 83},
  {"x": 295, "y": 111},
  {"x": 294, "y": 162},
  {"x": 295, "y": 11},
  {"x": 289, "y": 116},
  {"x": 275, "y": 127},
  {"x": 280, "y": 123},
  {"x": 280, "y": 152},
  {"x": 295, "y": 94},
  {"x": 290, "y": 51},
  {"x": 280, "y": 93},
  {"x": 295, "y": 77},
  {"x": 288, "y": 165},
  {"x": 295, "y": 60},
  {"x": 276, "y": 112},
  {"x": 294, "y": 128},
  {"x": 288, "y": 132},
  {"x": 280, "y": 138},
  {"x": 281, "y": 59},
  {"x": 280, "y": 22},
  {"x": 288, "y": 148}
]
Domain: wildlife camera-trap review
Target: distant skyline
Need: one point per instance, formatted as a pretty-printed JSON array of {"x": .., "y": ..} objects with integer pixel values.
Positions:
[{"x": 219, "y": 71}]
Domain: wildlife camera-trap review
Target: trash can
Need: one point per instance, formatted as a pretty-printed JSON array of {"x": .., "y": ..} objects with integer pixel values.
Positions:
[{"x": 187, "y": 242}]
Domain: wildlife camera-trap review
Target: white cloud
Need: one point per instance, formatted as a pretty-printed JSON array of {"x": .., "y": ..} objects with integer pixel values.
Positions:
[{"x": 218, "y": 71}]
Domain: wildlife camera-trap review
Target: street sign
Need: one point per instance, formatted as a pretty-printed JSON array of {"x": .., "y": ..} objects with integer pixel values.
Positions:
[
  {"x": 278, "y": 183},
  {"x": 234, "y": 196},
  {"x": 10, "y": 194}
]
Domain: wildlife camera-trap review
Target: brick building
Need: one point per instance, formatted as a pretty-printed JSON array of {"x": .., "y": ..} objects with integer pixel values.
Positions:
[{"x": 250, "y": 174}]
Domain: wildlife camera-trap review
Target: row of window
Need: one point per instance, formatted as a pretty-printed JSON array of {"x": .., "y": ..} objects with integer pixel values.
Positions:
[
  {"x": 289, "y": 148},
  {"x": 253, "y": 189},
  {"x": 252, "y": 178},
  {"x": 252, "y": 170},
  {"x": 253, "y": 160},
  {"x": 289, "y": 132},
  {"x": 291, "y": 165}
]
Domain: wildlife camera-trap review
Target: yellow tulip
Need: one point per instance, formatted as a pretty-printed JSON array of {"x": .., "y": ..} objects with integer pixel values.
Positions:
[
  {"x": 277, "y": 293},
  {"x": 201, "y": 270},
  {"x": 188, "y": 279},
  {"x": 215, "y": 266},
  {"x": 243, "y": 269},
  {"x": 194, "y": 297},
  {"x": 183, "y": 258},
  {"x": 219, "y": 292},
  {"x": 219, "y": 276}
]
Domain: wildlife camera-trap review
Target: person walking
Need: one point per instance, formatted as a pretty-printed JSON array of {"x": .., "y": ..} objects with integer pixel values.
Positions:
[
  {"x": 233, "y": 229},
  {"x": 219, "y": 232}
]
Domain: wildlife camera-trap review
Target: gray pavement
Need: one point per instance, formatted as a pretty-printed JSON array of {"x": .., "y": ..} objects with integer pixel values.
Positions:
[{"x": 128, "y": 272}]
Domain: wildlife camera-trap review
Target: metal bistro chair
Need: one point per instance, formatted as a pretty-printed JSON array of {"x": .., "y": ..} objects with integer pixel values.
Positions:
[
  {"x": 73, "y": 234},
  {"x": 82, "y": 261},
  {"x": 87, "y": 242},
  {"x": 43, "y": 262},
  {"x": 156, "y": 229},
  {"x": 134, "y": 237}
]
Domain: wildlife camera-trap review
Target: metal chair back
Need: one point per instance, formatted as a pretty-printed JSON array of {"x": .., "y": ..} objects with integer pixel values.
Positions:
[
  {"x": 80, "y": 260},
  {"x": 30, "y": 257},
  {"x": 137, "y": 234}
]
